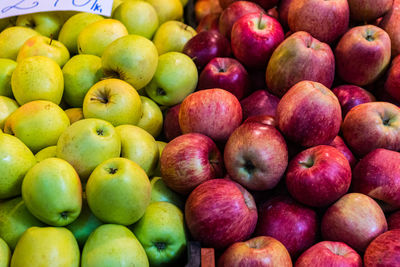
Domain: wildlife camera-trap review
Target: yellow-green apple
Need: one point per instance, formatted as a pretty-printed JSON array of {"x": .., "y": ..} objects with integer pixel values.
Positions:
[
  {"x": 7, "y": 107},
  {"x": 113, "y": 100},
  {"x": 220, "y": 212},
  {"x": 52, "y": 192},
  {"x": 256, "y": 156},
  {"x": 94, "y": 38},
  {"x": 190, "y": 160},
  {"x": 7, "y": 22},
  {"x": 260, "y": 102},
  {"x": 131, "y": 58},
  {"x": 254, "y": 37},
  {"x": 167, "y": 9},
  {"x": 113, "y": 245},
  {"x": 139, "y": 146},
  {"x": 340, "y": 145},
  {"x": 162, "y": 232},
  {"x": 45, "y": 23},
  {"x": 318, "y": 176},
  {"x": 361, "y": 10},
  {"x": 393, "y": 220},
  {"x": 46, "y": 246},
  {"x": 324, "y": 20},
  {"x": 12, "y": 39},
  {"x": 172, "y": 36},
  {"x": 73, "y": 26},
  {"x": 209, "y": 23},
  {"x": 350, "y": 96},
  {"x": 45, "y": 153},
  {"x": 392, "y": 82},
  {"x": 151, "y": 119},
  {"x": 74, "y": 114},
  {"x": 161, "y": 192},
  {"x": 15, "y": 161},
  {"x": 116, "y": 4},
  {"x": 161, "y": 145},
  {"x": 5, "y": 254},
  {"x": 363, "y": 54},
  {"x": 383, "y": 250},
  {"x": 329, "y": 253},
  {"x": 212, "y": 112},
  {"x": 37, "y": 78},
  {"x": 44, "y": 46},
  {"x": 175, "y": 78},
  {"x": 293, "y": 224},
  {"x": 15, "y": 219},
  {"x": 390, "y": 23},
  {"x": 372, "y": 125},
  {"x": 258, "y": 251},
  {"x": 139, "y": 17},
  {"x": 38, "y": 124},
  {"x": 118, "y": 191},
  {"x": 81, "y": 72},
  {"x": 300, "y": 49},
  {"x": 225, "y": 73},
  {"x": 309, "y": 114},
  {"x": 87, "y": 143},
  {"x": 355, "y": 219},
  {"x": 7, "y": 67},
  {"x": 171, "y": 126}
]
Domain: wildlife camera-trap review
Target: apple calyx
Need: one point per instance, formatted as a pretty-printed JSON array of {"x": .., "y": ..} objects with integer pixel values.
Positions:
[
  {"x": 160, "y": 246},
  {"x": 369, "y": 35},
  {"x": 112, "y": 170},
  {"x": 64, "y": 215},
  {"x": 161, "y": 91},
  {"x": 249, "y": 167}
]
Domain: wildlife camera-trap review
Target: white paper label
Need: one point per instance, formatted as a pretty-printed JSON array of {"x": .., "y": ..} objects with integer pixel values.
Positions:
[{"x": 9, "y": 8}]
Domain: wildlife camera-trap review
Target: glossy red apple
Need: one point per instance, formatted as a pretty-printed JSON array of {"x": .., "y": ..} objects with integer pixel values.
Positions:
[
  {"x": 384, "y": 250},
  {"x": 259, "y": 102},
  {"x": 212, "y": 112},
  {"x": 394, "y": 220},
  {"x": 219, "y": 213},
  {"x": 171, "y": 123},
  {"x": 263, "y": 119},
  {"x": 209, "y": 22},
  {"x": 355, "y": 219},
  {"x": 258, "y": 251},
  {"x": 392, "y": 84},
  {"x": 309, "y": 114},
  {"x": 391, "y": 24},
  {"x": 368, "y": 10},
  {"x": 225, "y": 73},
  {"x": 329, "y": 253},
  {"x": 350, "y": 96},
  {"x": 340, "y": 145},
  {"x": 190, "y": 160},
  {"x": 287, "y": 64},
  {"x": 293, "y": 224}
]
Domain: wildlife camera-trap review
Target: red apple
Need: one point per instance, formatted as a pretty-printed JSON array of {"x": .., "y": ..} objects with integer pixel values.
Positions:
[
  {"x": 384, "y": 250},
  {"x": 266, "y": 4},
  {"x": 171, "y": 123},
  {"x": 254, "y": 37},
  {"x": 287, "y": 64},
  {"x": 394, "y": 220},
  {"x": 284, "y": 12},
  {"x": 212, "y": 112},
  {"x": 350, "y": 96},
  {"x": 259, "y": 102},
  {"x": 372, "y": 125},
  {"x": 392, "y": 84},
  {"x": 318, "y": 176},
  {"x": 368, "y": 10},
  {"x": 293, "y": 224},
  {"x": 329, "y": 253},
  {"x": 190, "y": 160},
  {"x": 209, "y": 22},
  {"x": 309, "y": 114},
  {"x": 391, "y": 24},
  {"x": 263, "y": 119},
  {"x": 340, "y": 145},
  {"x": 355, "y": 219},
  {"x": 362, "y": 55},
  {"x": 225, "y": 73},
  {"x": 258, "y": 251},
  {"x": 324, "y": 20},
  {"x": 203, "y": 8},
  {"x": 219, "y": 213}
]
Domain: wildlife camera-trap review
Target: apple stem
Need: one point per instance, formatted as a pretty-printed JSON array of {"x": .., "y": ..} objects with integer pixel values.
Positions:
[
  {"x": 260, "y": 25},
  {"x": 51, "y": 39}
]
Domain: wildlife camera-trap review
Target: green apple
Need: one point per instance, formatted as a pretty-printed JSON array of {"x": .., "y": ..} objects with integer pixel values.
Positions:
[
  {"x": 139, "y": 17},
  {"x": 80, "y": 73},
  {"x": 73, "y": 26},
  {"x": 139, "y": 146},
  {"x": 15, "y": 161},
  {"x": 5, "y": 254},
  {"x": 15, "y": 219},
  {"x": 7, "y": 106},
  {"x": 175, "y": 78},
  {"x": 152, "y": 117},
  {"x": 38, "y": 124},
  {"x": 44, "y": 46},
  {"x": 45, "y": 23},
  {"x": 46, "y": 246},
  {"x": 37, "y": 78},
  {"x": 113, "y": 100},
  {"x": 87, "y": 143},
  {"x": 74, "y": 114},
  {"x": 118, "y": 191},
  {"x": 12, "y": 39},
  {"x": 167, "y": 9},
  {"x": 162, "y": 233},
  {"x": 116, "y": 4},
  {"x": 112, "y": 245},
  {"x": 7, "y": 67},
  {"x": 95, "y": 37},
  {"x": 7, "y": 22},
  {"x": 172, "y": 36},
  {"x": 184, "y": 2},
  {"x": 161, "y": 145},
  {"x": 45, "y": 153},
  {"x": 131, "y": 58},
  {"x": 161, "y": 192}
]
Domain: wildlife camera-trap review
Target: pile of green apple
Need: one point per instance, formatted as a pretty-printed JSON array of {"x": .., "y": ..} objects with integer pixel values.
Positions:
[{"x": 81, "y": 101}]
